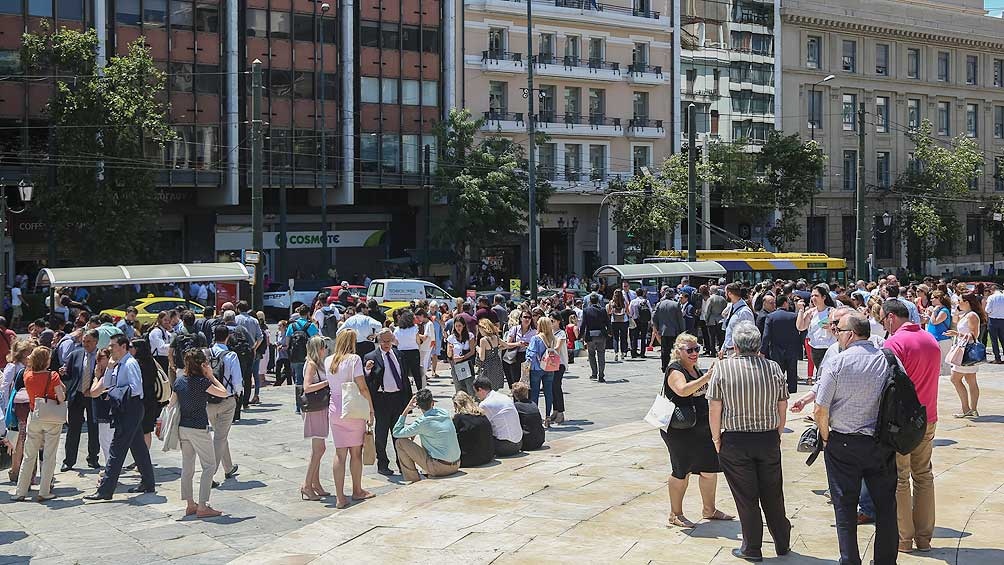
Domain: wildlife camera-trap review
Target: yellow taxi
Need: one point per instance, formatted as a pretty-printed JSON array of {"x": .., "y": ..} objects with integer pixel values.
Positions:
[
  {"x": 392, "y": 308},
  {"x": 149, "y": 307}
]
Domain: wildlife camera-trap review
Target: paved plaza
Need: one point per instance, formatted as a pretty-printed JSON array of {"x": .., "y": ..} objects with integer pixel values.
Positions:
[{"x": 596, "y": 494}]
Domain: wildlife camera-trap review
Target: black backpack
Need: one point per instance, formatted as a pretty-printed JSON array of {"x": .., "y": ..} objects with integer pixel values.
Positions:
[
  {"x": 298, "y": 342},
  {"x": 644, "y": 311},
  {"x": 219, "y": 370},
  {"x": 902, "y": 419},
  {"x": 184, "y": 341},
  {"x": 240, "y": 343},
  {"x": 330, "y": 325}
]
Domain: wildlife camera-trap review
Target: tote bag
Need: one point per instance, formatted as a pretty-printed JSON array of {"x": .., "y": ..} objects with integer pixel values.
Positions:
[
  {"x": 661, "y": 413},
  {"x": 49, "y": 410},
  {"x": 354, "y": 404}
]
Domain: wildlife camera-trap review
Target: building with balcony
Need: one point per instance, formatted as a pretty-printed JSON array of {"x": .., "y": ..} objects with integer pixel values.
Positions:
[
  {"x": 906, "y": 61},
  {"x": 352, "y": 91},
  {"x": 604, "y": 76}
]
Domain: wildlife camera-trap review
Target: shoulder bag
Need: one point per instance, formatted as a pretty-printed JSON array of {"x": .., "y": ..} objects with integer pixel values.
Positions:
[
  {"x": 354, "y": 404},
  {"x": 317, "y": 400},
  {"x": 660, "y": 414},
  {"x": 49, "y": 410}
]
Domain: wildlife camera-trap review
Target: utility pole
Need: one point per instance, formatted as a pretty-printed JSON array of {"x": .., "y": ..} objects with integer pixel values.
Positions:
[
  {"x": 859, "y": 237},
  {"x": 325, "y": 254},
  {"x": 692, "y": 186},
  {"x": 532, "y": 158},
  {"x": 284, "y": 267},
  {"x": 427, "y": 165},
  {"x": 706, "y": 197},
  {"x": 257, "y": 214}
]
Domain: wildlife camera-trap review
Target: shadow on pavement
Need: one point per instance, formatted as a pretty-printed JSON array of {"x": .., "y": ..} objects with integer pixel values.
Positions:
[
  {"x": 246, "y": 485},
  {"x": 251, "y": 421},
  {"x": 9, "y": 537},
  {"x": 944, "y": 442},
  {"x": 940, "y": 532}
]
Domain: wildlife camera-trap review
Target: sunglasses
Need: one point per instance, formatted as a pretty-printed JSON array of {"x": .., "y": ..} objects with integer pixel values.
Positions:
[
  {"x": 527, "y": 317},
  {"x": 692, "y": 350}
]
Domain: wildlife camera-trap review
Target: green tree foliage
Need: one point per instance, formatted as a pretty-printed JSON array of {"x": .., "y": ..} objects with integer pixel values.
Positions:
[
  {"x": 107, "y": 130},
  {"x": 781, "y": 176},
  {"x": 485, "y": 185},
  {"x": 939, "y": 177},
  {"x": 646, "y": 206}
]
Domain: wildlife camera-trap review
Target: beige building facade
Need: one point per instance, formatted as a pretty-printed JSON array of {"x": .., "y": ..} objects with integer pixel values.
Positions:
[
  {"x": 603, "y": 74},
  {"x": 907, "y": 61}
]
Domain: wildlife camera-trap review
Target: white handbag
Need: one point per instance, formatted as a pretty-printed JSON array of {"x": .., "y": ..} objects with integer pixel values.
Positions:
[
  {"x": 463, "y": 370},
  {"x": 661, "y": 412},
  {"x": 354, "y": 404}
]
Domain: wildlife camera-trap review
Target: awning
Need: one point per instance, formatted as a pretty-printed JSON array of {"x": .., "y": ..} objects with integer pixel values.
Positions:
[
  {"x": 142, "y": 274},
  {"x": 659, "y": 270}
]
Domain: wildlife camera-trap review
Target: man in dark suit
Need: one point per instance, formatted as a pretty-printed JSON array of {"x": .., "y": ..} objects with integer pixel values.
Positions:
[
  {"x": 782, "y": 342},
  {"x": 593, "y": 329},
  {"x": 77, "y": 373},
  {"x": 668, "y": 321},
  {"x": 767, "y": 305},
  {"x": 390, "y": 390}
]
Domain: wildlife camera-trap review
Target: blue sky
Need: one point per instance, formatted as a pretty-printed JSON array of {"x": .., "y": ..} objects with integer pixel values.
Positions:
[{"x": 995, "y": 7}]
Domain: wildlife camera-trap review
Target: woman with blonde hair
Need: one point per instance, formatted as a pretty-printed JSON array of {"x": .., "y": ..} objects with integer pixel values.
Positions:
[
  {"x": 691, "y": 450},
  {"x": 41, "y": 385},
  {"x": 16, "y": 362},
  {"x": 474, "y": 431},
  {"x": 541, "y": 345},
  {"x": 490, "y": 354},
  {"x": 344, "y": 366},
  {"x": 315, "y": 423}
]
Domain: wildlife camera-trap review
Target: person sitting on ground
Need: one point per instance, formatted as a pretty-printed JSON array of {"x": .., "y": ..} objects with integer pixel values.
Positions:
[
  {"x": 439, "y": 454},
  {"x": 529, "y": 417},
  {"x": 502, "y": 414},
  {"x": 474, "y": 431}
]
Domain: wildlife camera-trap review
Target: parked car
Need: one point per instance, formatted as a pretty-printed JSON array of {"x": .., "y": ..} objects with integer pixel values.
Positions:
[
  {"x": 356, "y": 292},
  {"x": 404, "y": 290},
  {"x": 276, "y": 303},
  {"x": 149, "y": 307}
]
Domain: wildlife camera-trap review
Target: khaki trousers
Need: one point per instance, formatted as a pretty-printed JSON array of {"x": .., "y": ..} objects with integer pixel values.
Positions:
[
  {"x": 39, "y": 434},
  {"x": 410, "y": 453},
  {"x": 196, "y": 443},
  {"x": 221, "y": 417},
  {"x": 915, "y": 510}
]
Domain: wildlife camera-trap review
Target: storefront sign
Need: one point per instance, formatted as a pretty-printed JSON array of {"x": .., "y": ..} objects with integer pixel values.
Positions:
[
  {"x": 226, "y": 292},
  {"x": 514, "y": 286},
  {"x": 300, "y": 239}
]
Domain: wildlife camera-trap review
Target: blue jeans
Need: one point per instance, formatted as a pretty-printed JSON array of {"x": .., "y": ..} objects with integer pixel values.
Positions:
[
  {"x": 537, "y": 380},
  {"x": 298, "y": 383}
]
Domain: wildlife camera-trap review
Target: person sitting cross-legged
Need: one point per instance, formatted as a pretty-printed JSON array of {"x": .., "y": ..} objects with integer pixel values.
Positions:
[
  {"x": 439, "y": 454},
  {"x": 529, "y": 417}
]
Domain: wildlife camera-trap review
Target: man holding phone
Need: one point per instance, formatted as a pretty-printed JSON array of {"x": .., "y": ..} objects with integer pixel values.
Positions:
[{"x": 439, "y": 454}]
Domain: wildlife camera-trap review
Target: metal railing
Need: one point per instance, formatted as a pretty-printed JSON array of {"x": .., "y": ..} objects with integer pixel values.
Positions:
[
  {"x": 599, "y": 7},
  {"x": 597, "y": 120},
  {"x": 637, "y": 123},
  {"x": 642, "y": 68},
  {"x": 569, "y": 61},
  {"x": 493, "y": 55},
  {"x": 502, "y": 116}
]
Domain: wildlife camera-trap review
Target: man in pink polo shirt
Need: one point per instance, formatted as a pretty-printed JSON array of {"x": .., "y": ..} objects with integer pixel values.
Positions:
[{"x": 920, "y": 355}]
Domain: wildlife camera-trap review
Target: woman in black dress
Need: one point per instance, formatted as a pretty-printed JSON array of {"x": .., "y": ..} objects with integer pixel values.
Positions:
[
  {"x": 690, "y": 450},
  {"x": 140, "y": 350}
]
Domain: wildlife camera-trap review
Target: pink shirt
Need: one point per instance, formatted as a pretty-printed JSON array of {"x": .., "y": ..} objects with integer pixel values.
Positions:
[{"x": 920, "y": 355}]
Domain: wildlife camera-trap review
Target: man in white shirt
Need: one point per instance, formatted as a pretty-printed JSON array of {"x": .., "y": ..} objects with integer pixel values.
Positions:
[
  {"x": 365, "y": 327},
  {"x": 227, "y": 369},
  {"x": 995, "y": 313},
  {"x": 16, "y": 302},
  {"x": 501, "y": 412}
]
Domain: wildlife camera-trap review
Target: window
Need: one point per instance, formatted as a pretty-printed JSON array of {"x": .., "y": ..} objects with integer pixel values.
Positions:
[
  {"x": 41, "y": 8},
  {"x": 11, "y": 7},
  {"x": 303, "y": 27},
  {"x": 597, "y": 103},
  {"x": 430, "y": 93},
  {"x": 369, "y": 34},
  {"x": 913, "y": 63},
  {"x": 999, "y": 174},
  {"x": 597, "y": 162},
  {"x": 369, "y": 89},
  {"x": 573, "y": 161},
  {"x": 207, "y": 18},
  {"x": 546, "y": 50},
  {"x": 998, "y": 73},
  {"x": 369, "y": 152},
  {"x": 850, "y": 169},
  {"x": 547, "y": 158},
  {"x": 911, "y": 162},
  {"x": 882, "y": 59},
  {"x": 411, "y": 92},
  {"x": 813, "y": 47},
  {"x": 974, "y": 235},
  {"x": 972, "y": 120},
  {"x": 882, "y": 169},
  {"x": 848, "y": 235},
  {"x": 10, "y": 63},
  {"x": 943, "y": 66},
  {"x": 882, "y": 114},
  {"x": 154, "y": 13},
  {"x": 411, "y": 153},
  {"x": 640, "y": 105},
  {"x": 306, "y": 149},
  {"x": 280, "y": 83},
  {"x": 411, "y": 38},
  {"x": 972, "y": 69},
  {"x": 815, "y": 233},
  {"x": 573, "y": 103},
  {"x": 595, "y": 51},
  {"x": 815, "y": 109},
  {"x": 850, "y": 55},
  {"x": 572, "y": 50},
  {"x": 207, "y": 79},
  {"x": 69, "y": 10},
  {"x": 390, "y": 146},
  {"x": 548, "y": 103},
  {"x": 181, "y": 14},
  {"x": 497, "y": 98},
  {"x": 999, "y": 122},
  {"x": 639, "y": 55},
  {"x": 280, "y": 25},
  {"x": 849, "y": 112},
  {"x": 944, "y": 119},
  {"x": 257, "y": 23},
  {"x": 430, "y": 39},
  {"x": 496, "y": 42},
  {"x": 641, "y": 157},
  {"x": 303, "y": 85},
  {"x": 913, "y": 112},
  {"x": 180, "y": 77},
  {"x": 127, "y": 12}
]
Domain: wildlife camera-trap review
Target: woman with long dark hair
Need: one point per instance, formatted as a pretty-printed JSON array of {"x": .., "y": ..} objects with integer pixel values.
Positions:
[
  {"x": 140, "y": 350},
  {"x": 408, "y": 343},
  {"x": 816, "y": 321},
  {"x": 461, "y": 349},
  {"x": 972, "y": 317}
]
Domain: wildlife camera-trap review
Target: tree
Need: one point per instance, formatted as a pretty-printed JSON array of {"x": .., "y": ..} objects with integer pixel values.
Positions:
[
  {"x": 648, "y": 205},
  {"x": 486, "y": 187},
  {"x": 781, "y": 176},
  {"x": 939, "y": 177},
  {"x": 105, "y": 127}
]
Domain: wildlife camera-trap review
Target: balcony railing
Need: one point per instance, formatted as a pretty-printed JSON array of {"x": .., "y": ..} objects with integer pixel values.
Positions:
[
  {"x": 501, "y": 116},
  {"x": 599, "y": 7},
  {"x": 642, "y": 68},
  {"x": 601, "y": 120},
  {"x": 493, "y": 55},
  {"x": 634, "y": 123}
]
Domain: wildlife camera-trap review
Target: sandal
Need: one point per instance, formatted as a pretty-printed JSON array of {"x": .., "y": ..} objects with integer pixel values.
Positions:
[
  {"x": 366, "y": 496},
  {"x": 719, "y": 515},
  {"x": 342, "y": 505},
  {"x": 680, "y": 521}
]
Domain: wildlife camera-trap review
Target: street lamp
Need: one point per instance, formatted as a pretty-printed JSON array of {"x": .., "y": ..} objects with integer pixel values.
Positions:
[
  {"x": 812, "y": 129},
  {"x": 325, "y": 253},
  {"x": 26, "y": 191},
  {"x": 886, "y": 223}
]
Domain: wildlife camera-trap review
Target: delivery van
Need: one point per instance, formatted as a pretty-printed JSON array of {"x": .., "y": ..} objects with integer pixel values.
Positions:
[{"x": 404, "y": 290}]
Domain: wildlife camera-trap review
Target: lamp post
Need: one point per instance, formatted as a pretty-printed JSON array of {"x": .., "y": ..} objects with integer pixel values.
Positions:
[
  {"x": 325, "y": 253},
  {"x": 812, "y": 130},
  {"x": 886, "y": 223},
  {"x": 25, "y": 191}
]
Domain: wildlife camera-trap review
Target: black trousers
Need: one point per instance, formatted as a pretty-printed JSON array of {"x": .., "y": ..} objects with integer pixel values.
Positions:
[
  {"x": 790, "y": 368},
  {"x": 639, "y": 334},
  {"x": 387, "y": 406},
  {"x": 283, "y": 371},
  {"x": 556, "y": 392},
  {"x": 245, "y": 396},
  {"x": 851, "y": 459},
  {"x": 128, "y": 438},
  {"x": 710, "y": 339},
  {"x": 752, "y": 466},
  {"x": 666, "y": 349},
  {"x": 412, "y": 365},
  {"x": 512, "y": 371},
  {"x": 77, "y": 412}
]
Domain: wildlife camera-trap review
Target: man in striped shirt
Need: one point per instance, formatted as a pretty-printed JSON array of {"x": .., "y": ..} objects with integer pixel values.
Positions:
[{"x": 748, "y": 398}]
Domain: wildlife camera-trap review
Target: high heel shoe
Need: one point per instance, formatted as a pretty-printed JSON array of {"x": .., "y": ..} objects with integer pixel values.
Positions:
[
  {"x": 308, "y": 494},
  {"x": 320, "y": 491}
]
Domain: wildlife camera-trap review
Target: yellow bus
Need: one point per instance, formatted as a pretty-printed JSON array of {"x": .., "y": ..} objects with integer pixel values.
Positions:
[{"x": 756, "y": 266}]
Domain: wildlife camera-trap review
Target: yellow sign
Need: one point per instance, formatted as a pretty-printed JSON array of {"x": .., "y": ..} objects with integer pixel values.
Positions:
[{"x": 514, "y": 286}]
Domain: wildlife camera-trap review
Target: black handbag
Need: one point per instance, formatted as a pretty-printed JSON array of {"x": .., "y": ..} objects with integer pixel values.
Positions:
[
  {"x": 315, "y": 401},
  {"x": 684, "y": 417}
]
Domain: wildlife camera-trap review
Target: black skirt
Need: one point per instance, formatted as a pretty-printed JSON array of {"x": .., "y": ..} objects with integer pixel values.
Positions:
[{"x": 691, "y": 450}]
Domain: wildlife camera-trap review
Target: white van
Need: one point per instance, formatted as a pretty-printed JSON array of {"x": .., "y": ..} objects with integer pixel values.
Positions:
[{"x": 404, "y": 290}]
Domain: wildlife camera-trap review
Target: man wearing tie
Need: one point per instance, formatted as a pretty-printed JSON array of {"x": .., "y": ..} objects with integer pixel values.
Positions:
[
  {"x": 782, "y": 342},
  {"x": 77, "y": 373},
  {"x": 390, "y": 392}
]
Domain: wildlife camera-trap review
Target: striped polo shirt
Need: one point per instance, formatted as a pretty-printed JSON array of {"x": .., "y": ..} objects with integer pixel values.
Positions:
[{"x": 749, "y": 387}]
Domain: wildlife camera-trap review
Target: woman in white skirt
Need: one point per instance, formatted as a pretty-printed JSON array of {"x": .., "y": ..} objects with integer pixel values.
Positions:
[{"x": 971, "y": 316}]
